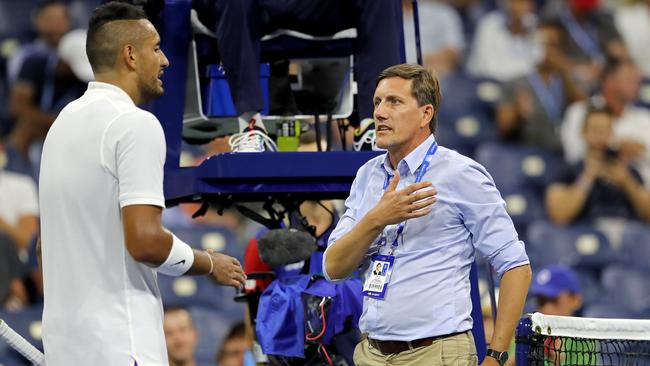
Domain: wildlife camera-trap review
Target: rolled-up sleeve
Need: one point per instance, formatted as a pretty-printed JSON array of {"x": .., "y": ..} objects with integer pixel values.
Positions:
[{"x": 484, "y": 214}]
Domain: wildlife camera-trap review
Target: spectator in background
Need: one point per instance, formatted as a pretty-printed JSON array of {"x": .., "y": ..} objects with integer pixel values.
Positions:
[
  {"x": 592, "y": 37},
  {"x": 633, "y": 22},
  {"x": 235, "y": 348},
  {"x": 556, "y": 291},
  {"x": 13, "y": 294},
  {"x": 50, "y": 20},
  {"x": 181, "y": 337},
  {"x": 41, "y": 86},
  {"x": 619, "y": 88},
  {"x": 531, "y": 107},
  {"x": 602, "y": 185},
  {"x": 441, "y": 35},
  {"x": 18, "y": 207},
  {"x": 503, "y": 47}
]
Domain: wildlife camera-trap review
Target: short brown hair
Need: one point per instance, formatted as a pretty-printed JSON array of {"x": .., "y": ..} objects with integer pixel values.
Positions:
[{"x": 425, "y": 86}]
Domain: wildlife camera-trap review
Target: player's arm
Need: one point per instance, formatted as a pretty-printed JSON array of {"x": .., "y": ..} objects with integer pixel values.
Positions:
[
  {"x": 147, "y": 241},
  {"x": 344, "y": 255}
]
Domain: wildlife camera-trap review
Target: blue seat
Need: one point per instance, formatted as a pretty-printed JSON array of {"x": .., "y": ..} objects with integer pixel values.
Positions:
[
  {"x": 466, "y": 116},
  {"x": 524, "y": 205},
  {"x": 212, "y": 327},
  {"x": 578, "y": 245},
  {"x": 590, "y": 286},
  {"x": 635, "y": 246},
  {"x": 198, "y": 291},
  {"x": 604, "y": 310},
  {"x": 514, "y": 166},
  {"x": 27, "y": 323},
  {"x": 206, "y": 236},
  {"x": 626, "y": 288}
]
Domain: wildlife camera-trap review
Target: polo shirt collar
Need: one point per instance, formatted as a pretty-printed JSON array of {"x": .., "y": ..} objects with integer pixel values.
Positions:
[{"x": 114, "y": 91}]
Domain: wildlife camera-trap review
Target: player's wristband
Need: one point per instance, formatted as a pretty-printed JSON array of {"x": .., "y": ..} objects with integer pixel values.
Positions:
[{"x": 179, "y": 260}]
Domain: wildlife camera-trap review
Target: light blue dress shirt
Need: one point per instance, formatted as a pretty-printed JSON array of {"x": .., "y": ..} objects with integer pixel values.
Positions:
[{"x": 429, "y": 290}]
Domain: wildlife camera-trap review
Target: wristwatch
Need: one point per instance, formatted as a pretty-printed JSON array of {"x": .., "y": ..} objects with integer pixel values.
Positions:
[{"x": 501, "y": 357}]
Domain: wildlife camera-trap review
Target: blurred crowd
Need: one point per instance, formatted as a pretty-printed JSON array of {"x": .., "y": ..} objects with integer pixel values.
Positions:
[{"x": 568, "y": 80}]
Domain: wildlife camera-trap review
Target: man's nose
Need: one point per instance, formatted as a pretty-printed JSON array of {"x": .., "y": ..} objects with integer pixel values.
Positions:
[
  {"x": 165, "y": 62},
  {"x": 379, "y": 112}
]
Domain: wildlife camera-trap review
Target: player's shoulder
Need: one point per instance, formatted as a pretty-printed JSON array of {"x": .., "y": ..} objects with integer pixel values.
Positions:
[{"x": 138, "y": 120}]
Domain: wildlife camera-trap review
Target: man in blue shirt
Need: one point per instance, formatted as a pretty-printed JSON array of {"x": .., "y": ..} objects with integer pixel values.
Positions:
[{"x": 421, "y": 211}]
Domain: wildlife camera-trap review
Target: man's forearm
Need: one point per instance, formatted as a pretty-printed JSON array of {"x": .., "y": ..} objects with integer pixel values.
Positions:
[
  {"x": 512, "y": 295},
  {"x": 344, "y": 255}
]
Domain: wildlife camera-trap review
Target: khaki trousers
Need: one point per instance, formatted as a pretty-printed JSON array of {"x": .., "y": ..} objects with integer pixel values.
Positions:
[{"x": 458, "y": 350}]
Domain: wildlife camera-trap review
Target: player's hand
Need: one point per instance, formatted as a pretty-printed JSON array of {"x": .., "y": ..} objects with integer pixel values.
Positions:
[
  {"x": 227, "y": 270},
  {"x": 410, "y": 202}
]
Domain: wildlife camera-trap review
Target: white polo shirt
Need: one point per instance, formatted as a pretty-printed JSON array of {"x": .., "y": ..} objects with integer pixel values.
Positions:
[{"x": 101, "y": 306}]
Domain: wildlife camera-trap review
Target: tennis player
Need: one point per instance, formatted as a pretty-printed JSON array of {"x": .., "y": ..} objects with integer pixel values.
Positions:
[{"x": 101, "y": 197}]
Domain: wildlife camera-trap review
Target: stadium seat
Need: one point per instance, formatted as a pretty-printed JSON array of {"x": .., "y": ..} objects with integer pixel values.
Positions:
[
  {"x": 590, "y": 286},
  {"x": 514, "y": 166},
  {"x": 635, "y": 246},
  {"x": 524, "y": 206},
  {"x": 212, "y": 327},
  {"x": 609, "y": 311},
  {"x": 198, "y": 291},
  {"x": 27, "y": 323},
  {"x": 579, "y": 245},
  {"x": 466, "y": 114},
  {"x": 203, "y": 236},
  {"x": 626, "y": 288}
]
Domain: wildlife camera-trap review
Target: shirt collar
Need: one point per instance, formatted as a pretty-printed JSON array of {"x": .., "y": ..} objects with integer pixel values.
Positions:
[
  {"x": 414, "y": 159},
  {"x": 115, "y": 91}
]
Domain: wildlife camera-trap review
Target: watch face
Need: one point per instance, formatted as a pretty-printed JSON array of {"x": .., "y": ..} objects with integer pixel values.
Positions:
[{"x": 502, "y": 357}]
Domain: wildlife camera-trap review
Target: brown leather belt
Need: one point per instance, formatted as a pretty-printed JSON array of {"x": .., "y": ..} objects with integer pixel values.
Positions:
[{"x": 393, "y": 347}]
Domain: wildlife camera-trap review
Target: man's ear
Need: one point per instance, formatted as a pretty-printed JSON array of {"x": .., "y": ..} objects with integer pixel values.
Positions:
[
  {"x": 129, "y": 56},
  {"x": 427, "y": 115}
]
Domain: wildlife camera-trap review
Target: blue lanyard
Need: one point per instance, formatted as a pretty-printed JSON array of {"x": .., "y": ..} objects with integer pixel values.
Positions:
[
  {"x": 550, "y": 96},
  {"x": 418, "y": 178},
  {"x": 581, "y": 36}
]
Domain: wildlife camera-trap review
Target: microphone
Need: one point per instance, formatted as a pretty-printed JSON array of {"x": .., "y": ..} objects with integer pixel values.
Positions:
[{"x": 280, "y": 247}]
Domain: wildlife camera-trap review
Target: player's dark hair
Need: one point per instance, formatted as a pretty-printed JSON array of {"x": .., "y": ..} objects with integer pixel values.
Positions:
[{"x": 101, "y": 44}]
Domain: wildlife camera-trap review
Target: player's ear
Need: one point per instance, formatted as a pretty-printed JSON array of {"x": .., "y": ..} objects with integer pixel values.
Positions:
[{"x": 129, "y": 56}]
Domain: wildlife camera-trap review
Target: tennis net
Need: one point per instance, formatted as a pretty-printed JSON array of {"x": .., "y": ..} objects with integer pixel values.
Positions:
[{"x": 567, "y": 341}]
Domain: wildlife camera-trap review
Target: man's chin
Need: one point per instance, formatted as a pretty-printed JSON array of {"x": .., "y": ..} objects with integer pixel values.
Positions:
[{"x": 381, "y": 143}]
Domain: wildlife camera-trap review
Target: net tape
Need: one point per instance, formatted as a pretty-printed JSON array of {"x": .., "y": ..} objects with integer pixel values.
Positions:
[{"x": 570, "y": 341}]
